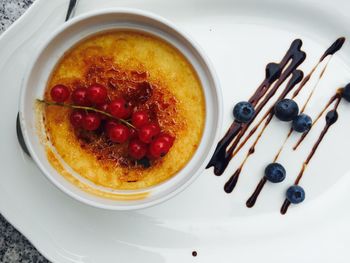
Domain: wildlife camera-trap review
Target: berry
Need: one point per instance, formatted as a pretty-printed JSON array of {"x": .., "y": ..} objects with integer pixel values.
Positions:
[
  {"x": 295, "y": 194},
  {"x": 159, "y": 148},
  {"x": 148, "y": 132},
  {"x": 286, "y": 110},
  {"x": 133, "y": 133},
  {"x": 79, "y": 97},
  {"x": 302, "y": 123},
  {"x": 110, "y": 124},
  {"x": 137, "y": 149},
  {"x": 275, "y": 173},
  {"x": 103, "y": 107},
  {"x": 91, "y": 121},
  {"x": 331, "y": 117},
  {"x": 346, "y": 92},
  {"x": 140, "y": 118},
  {"x": 76, "y": 118},
  {"x": 118, "y": 133},
  {"x": 119, "y": 108},
  {"x": 96, "y": 94},
  {"x": 59, "y": 93},
  {"x": 243, "y": 111},
  {"x": 168, "y": 138}
]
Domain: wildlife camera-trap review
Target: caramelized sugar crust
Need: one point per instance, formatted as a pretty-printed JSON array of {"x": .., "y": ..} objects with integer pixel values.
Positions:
[{"x": 150, "y": 74}]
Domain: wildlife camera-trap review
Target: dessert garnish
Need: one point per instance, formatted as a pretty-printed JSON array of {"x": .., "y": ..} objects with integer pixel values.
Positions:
[
  {"x": 302, "y": 123},
  {"x": 275, "y": 173},
  {"x": 92, "y": 111},
  {"x": 286, "y": 110},
  {"x": 243, "y": 111}
]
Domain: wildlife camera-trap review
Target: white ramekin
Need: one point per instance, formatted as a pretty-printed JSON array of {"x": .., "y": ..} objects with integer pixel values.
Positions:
[{"x": 79, "y": 28}]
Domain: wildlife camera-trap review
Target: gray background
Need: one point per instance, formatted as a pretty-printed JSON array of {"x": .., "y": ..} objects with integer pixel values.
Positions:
[{"x": 14, "y": 247}]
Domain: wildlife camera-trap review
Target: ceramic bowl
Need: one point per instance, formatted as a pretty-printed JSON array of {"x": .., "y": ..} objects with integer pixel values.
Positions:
[{"x": 67, "y": 36}]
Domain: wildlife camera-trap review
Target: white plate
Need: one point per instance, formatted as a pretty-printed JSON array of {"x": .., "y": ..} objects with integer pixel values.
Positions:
[{"x": 240, "y": 37}]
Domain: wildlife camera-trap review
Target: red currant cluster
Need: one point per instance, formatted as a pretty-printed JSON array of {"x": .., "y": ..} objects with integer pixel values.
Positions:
[{"x": 144, "y": 137}]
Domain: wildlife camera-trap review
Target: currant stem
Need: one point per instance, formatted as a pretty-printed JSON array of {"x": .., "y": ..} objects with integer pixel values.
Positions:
[{"x": 84, "y": 108}]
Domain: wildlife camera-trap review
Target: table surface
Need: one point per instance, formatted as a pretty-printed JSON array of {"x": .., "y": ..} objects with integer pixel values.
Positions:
[{"x": 14, "y": 247}]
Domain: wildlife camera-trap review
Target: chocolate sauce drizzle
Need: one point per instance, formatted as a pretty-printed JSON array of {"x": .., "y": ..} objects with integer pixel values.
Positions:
[
  {"x": 330, "y": 51},
  {"x": 331, "y": 118},
  {"x": 297, "y": 76},
  {"x": 335, "y": 47},
  {"x": 331, "y": 100},
  {"x": 276, "y": 74}
]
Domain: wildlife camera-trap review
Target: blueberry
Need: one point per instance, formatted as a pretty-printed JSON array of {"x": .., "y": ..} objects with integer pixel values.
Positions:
[
  {"x": 346, "y": 92},
  {"x": 295, "y": 194},
  {"x": 275, "y": 173},
  {"x": 331, "y": 117},
  {"x": 302, "y": 123},
  {"x": 243, "y": 111},
  {"x": 286, "y": 110}
]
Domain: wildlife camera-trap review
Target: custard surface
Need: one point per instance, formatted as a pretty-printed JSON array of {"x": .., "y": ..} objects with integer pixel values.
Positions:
[{"x": 146, "y": 70}]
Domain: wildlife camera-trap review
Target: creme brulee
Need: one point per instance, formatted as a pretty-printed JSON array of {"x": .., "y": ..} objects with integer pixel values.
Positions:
[{"x": 151, "y": 75}]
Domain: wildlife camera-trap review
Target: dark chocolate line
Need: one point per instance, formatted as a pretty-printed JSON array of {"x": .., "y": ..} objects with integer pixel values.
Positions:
[
  {"x": 335, "y": 47},
  {"x": 252, "y": 199},
  {"x": 285, "y": 206},
  {"x": 331, "y": 100},
  {"x": 275, "y": 73},
  {"x": 231, "y": 183},
  {"x": 297, "y": 76},
  {"x": 331, "y": 118},
  {"x": 303, "y": 83}
]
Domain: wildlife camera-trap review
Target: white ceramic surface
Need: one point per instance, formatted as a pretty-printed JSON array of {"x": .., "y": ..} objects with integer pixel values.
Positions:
[
  {"x": 240, "y": 37},
  {"x": 68, "y": 35}
]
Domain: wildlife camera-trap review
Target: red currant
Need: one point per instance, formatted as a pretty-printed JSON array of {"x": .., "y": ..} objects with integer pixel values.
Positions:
[
  {"x": 91, "y": 121},
  {"x": 168, "y": 138},
  {"x": 59, "y": 93},
  {"x": 103, "y": 107},
  {"x": 133, "y": 133},
  {"x": 140, "y": 118},
  {"x": 76, "y": 118},
  {"x": 148, "y": 132},
  {"x": 118, "y": 133},
  {"x": 137, "y": 149},
  {"x": 119, "y": 108},
  {"x": 96, "y": 94},
  {"x": 110, "y": 124},
  {"x": 79, "y": 97},
  {"x": 159, "y": 148}
]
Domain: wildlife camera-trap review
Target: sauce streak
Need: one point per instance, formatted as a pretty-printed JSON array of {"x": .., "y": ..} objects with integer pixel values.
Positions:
[
  {"x": 336, "y": 46},
  {"x": 297, "y": 76},
  {"x": 252, "y": 199},
  {"x": 331, "y": 118},
  {"x": 331, "y": 100},
  {"x": 275, "y": 74}
]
